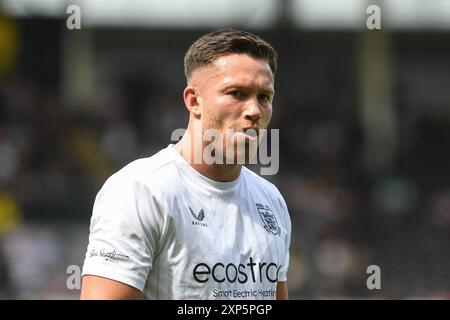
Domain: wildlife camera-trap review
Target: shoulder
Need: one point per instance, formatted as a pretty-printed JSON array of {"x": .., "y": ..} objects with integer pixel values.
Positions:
[
  {"x": 267, "y": 189},
  {"x": 136, "y": 192},
  {"x": 147, "y": 173},
  {"x": 262, "y": 184},
  {"x": 271, "y": 194}
]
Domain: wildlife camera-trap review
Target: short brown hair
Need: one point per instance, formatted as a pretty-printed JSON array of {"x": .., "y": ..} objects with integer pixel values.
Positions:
[{"x": 226, "y": 41}]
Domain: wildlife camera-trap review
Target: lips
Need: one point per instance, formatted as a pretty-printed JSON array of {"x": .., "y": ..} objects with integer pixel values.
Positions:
[{"x": 250, "y": 133}]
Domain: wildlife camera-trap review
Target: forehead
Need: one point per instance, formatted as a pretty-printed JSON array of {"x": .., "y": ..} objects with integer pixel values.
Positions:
[{"x": 238, "y": 69}]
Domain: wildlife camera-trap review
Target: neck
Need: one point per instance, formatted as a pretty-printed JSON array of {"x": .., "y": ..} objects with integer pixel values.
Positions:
[{"x": 216, "y": 172}]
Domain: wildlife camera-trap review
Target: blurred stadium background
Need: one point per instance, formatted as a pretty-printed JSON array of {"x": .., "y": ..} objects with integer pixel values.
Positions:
[{"x": 364, "y": 118}]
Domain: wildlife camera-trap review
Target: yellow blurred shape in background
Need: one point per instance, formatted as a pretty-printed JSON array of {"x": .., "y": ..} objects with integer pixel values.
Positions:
[
  {"x": 9, "y": 44},
  {"x": 10, "y": 213}
]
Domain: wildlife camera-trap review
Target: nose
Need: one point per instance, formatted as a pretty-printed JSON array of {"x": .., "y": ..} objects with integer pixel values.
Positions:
[{"x": 252, "y": 110}]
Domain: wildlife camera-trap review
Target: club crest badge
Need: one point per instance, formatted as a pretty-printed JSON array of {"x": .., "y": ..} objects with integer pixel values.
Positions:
[{"x": 268, "y": 218}]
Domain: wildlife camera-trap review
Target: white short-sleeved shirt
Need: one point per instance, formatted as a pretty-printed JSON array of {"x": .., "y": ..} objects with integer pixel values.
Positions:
[{"x": 160, "y": 226}]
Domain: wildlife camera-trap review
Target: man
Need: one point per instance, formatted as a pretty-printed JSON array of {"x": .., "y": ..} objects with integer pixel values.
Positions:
[{"x": 173, "y": 227}]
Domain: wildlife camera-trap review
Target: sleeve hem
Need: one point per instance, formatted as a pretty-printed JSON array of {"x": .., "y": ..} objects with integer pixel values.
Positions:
[{"x": 114, "y": 274}]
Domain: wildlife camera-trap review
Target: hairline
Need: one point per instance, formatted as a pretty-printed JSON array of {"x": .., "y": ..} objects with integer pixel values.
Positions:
[{"x": 225, "y": 54}]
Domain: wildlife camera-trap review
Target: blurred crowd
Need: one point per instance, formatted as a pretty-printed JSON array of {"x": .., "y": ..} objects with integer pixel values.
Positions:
[{"x": 346, "y": 217}]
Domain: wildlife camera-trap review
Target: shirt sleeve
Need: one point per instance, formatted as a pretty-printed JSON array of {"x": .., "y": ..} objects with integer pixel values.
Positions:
[
  {"x": 124, "y": 233},
  {"x": 286, "y": 234}
]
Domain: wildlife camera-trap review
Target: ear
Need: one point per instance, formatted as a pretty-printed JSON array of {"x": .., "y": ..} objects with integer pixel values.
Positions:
[{"x": 192, "y": 100}]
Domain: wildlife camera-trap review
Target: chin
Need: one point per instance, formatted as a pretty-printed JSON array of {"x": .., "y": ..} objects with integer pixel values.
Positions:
[{"x": 242, "y": 154}]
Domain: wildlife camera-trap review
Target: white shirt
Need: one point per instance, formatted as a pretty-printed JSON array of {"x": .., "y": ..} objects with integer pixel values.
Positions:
[{"x": 160, "y": 226}]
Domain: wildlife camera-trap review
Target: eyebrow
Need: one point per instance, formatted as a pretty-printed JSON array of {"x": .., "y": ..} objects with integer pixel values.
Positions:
[{"x": 236, "y": 86}]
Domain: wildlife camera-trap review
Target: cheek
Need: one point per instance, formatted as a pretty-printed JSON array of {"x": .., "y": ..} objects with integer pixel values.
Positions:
[
  {"x": 221, "y": 104},
  {"x": 266, "y": 115},
  {"x": 221, "y": 108}
]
